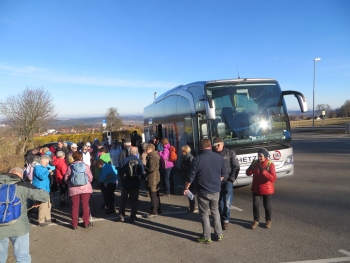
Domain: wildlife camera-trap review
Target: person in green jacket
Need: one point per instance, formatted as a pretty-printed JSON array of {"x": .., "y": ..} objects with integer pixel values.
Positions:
[{"x": 18, "y": 232}]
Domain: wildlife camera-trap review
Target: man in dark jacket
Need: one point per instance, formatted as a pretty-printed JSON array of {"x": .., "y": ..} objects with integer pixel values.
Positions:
[
  {"x": 226, "y": 193},
  {"x": 208, "y": 169},
  {"x": 29, "y": 156},
  {"x": 61, "y": 147},
  {"x": 130, "y": 185},
  {"x": 18, "y": 232}
]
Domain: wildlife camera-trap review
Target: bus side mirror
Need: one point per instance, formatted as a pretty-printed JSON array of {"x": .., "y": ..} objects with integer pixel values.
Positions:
[
  {"x": 209, "y": 107},
  {"x": 300, "y": 97}
]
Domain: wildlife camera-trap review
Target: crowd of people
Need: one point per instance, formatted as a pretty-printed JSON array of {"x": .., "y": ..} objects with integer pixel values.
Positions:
[{"x": 73, "y": 171}]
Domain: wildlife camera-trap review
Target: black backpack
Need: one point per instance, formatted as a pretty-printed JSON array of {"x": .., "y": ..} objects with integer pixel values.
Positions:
[{"x": 132, "y": 168}]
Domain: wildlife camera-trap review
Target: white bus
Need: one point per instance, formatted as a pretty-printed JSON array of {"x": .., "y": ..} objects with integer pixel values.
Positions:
[{"x": 246, "y": 113}]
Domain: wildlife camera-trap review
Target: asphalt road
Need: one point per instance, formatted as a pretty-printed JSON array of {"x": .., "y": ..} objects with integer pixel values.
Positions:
[{"x": 310, "y": 221}]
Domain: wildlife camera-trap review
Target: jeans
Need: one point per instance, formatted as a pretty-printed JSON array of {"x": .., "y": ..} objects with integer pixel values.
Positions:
[
  {"x": 267, "y": 206},
  {"x": 209, "y": 203},
  {"x": 225, "y": 201},
  {"x": 20, "y": 248},
  {"x": 167, "y": 174}
]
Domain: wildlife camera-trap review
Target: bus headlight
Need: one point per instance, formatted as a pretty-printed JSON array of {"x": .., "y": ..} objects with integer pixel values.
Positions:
[{"x": 289, "y": 160}]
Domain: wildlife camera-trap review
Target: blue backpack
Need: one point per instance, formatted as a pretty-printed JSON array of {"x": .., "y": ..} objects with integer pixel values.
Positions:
[
  {"x": 10, "y": 204},
  {"x": 78, "y": 174}
]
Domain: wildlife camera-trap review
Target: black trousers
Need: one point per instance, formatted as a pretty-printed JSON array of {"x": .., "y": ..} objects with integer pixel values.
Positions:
[
  {"x": 108, "y": 194},
  {"x": 267, "y": 206},
  {"x": 63, "y": 189},
  {"x": 134, "y": 196},
  {"x": 155, "y": 202}
]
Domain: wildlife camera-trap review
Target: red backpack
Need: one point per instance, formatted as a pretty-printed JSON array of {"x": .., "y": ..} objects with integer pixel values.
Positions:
[{"x": 172, "y": 154}]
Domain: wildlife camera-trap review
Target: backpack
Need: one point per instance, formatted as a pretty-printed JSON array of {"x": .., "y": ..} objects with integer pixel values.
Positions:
[
  {"x": 28, "y": 173},
  {"x": 10, "y": 204},
  {"x": 172, "y": 154},
  {"x": 78, "y": 174},
  {"x": 132, "y": 170}
]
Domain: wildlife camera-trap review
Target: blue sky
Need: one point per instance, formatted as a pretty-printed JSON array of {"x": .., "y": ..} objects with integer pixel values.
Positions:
[{"x": 92, "y": 55}]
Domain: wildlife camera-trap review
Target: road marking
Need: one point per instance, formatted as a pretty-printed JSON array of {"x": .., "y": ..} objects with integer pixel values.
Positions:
[
  {"x": 328, "y": 260},
  {"x": 236, "y": 208}
]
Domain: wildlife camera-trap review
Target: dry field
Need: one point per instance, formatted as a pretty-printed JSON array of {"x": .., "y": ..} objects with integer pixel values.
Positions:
[{"x": 320, "y": 123}]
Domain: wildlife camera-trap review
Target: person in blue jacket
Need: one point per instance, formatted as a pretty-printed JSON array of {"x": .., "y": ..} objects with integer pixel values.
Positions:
[
  {"x": 41, "y": 180},
  {"x": 108, "y": 177}
]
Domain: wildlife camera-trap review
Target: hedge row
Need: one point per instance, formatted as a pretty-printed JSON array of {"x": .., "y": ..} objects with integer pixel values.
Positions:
[{"x": 87, "y": 137}]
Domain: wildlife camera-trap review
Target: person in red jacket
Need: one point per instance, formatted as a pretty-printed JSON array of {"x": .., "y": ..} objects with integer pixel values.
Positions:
[
  {"x": 61, "y": 169},
  {"x": 264, "y": 176}
]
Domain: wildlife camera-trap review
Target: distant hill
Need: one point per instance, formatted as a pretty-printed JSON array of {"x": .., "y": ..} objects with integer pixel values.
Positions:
[{"x": 94, "y": 121}]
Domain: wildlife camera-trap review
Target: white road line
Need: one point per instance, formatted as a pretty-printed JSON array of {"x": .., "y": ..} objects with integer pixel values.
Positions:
[
  {"x": 328, "y": 260},
  {"x": 236, "y": 208}
]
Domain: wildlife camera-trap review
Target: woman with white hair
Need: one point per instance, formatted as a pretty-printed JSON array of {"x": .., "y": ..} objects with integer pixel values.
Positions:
[{"x": 41, "y": 180}]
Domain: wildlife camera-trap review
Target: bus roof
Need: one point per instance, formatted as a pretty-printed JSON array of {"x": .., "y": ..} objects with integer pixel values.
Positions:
[{"x": 203, "y": 83}]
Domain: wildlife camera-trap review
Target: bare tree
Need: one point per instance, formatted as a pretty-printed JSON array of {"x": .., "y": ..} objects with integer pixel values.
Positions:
[
  {"x": 113, "y": 120},
  {"x": 345, "y": 109},
  {"x": 28, "y": 111},
  {"x": 323, "y": 107}
]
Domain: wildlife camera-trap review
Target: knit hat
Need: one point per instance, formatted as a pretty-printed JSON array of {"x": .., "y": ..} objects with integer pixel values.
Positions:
[
  {"x": 217, "y": 141},
  {"x": 264, "y": 152}
]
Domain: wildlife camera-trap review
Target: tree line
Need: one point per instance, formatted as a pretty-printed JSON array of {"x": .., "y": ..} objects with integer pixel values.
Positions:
[{"x": 33, "y": 109}]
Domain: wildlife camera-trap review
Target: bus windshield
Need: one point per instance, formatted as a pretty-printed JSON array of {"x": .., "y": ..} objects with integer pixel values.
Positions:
[{"x": 248, "y": 113}]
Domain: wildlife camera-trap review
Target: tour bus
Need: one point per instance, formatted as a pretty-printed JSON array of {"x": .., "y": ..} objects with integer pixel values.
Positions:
[{"x": 246, "y": 113}]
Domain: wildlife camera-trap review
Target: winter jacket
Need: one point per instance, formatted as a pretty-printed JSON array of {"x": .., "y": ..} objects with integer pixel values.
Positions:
[
  {"x": 77, "y": 190},
  {"x": 86, "y": 158},
  {"x": 61, "y": 169},
  {"x": 186, "y": 163},
  {"x": 207, "y": 168},
  {"x": 131, "y": 183},
  {"x": 24, "y": 191},
  {"x": 29, "y": 157},
  {"x": 263, "y": 181},
  {"x": 164, "y": 155},
  {"x": 231, "y": 164},
  {"x": 108, "y": 174},
  {"x": 41, "y": 178},
  {"x": 66, "y": 152},
  {"x": 50, "y": 165},
  {"x": 152, "y": 171},
  {"x": 115, "y": 153},
  {"x": 106, "y": 157}
]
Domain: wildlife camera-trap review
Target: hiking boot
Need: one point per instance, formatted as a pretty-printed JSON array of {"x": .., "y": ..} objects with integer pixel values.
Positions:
[
  {"x": 43, "y": 224},
  {"x": 120, "y": 218},
  {"x": 74, "y": 227},
  {"x": 220, "y": 238},
  {"x": 224, "y": 226},
  {"x": 268, "y": 224},
  {"x": 255, "y": 224},
  {"x": 204, "y": 240}
]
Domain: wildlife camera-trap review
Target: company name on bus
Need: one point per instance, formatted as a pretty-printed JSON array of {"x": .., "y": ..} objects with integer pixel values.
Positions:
[{"x": 248, "y": 159}]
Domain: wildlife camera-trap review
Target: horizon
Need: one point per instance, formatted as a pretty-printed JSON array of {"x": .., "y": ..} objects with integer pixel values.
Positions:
[{"x": 92, "y": 56}]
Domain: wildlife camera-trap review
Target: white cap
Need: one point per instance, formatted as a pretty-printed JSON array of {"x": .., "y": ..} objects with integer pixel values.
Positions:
[{"x": 74, "y": 145}]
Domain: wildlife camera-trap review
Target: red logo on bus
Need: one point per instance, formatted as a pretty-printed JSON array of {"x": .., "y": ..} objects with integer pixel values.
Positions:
[{"x": 277, "y": 155}]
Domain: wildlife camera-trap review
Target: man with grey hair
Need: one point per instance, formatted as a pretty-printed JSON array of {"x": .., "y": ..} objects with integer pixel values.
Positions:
[
  {"x": 18, "y": 232},
  {"x": 125, "y": 152},
  {"x": 42, "y": 181},
  {"x": 130, "y": 183}
]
